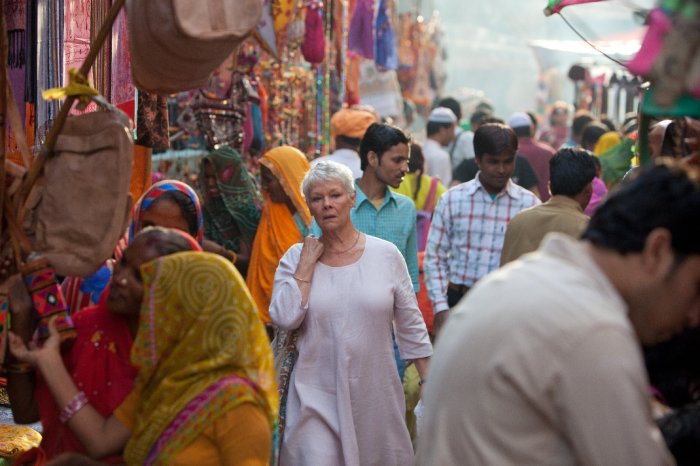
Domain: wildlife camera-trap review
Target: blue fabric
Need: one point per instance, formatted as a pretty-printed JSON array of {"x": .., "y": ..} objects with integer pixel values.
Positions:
[
  {"x": 385, "y": 51},
  {"x": 393, "y": 221},
  {"x": 96, "y": 283}
]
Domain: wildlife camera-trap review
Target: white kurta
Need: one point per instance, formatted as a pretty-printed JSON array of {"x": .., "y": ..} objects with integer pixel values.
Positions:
[{"x": 345, "y": 403}]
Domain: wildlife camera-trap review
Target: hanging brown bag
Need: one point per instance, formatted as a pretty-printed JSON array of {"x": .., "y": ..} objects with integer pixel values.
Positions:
[
  {"x": 85, "y": 203},
  {"x": 176, "y": 44}
]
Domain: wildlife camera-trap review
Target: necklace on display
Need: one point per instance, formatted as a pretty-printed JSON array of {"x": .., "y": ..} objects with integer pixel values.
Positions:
[{"x": 357, "y": 238}]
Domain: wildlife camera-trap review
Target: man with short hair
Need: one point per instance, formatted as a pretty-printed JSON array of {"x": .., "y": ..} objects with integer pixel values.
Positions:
[
  {"x": 469, "y": 222},
  {"x": 537, "y": 153},
  {"x": 571, "y": 183},
  {"x": 581, "y": 119},
  {"x": 462, "y": 146},
  {"x": 348, "y": 125},
  {"x": 440, "y": 133},
  {"x": 541, "y": 362},
  {"x": 378, "y": 211}
]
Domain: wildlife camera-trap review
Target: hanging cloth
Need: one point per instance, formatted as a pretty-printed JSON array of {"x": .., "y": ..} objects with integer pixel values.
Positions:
[
  {"x": 360, "y": 37},
  {"x": 385, "y": 51}
]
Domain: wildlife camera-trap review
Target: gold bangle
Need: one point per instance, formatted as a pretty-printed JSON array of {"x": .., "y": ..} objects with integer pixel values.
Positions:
[{"x": 301, "y": 279}]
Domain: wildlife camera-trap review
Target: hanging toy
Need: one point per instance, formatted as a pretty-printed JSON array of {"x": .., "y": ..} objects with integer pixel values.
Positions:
[{"x": 314, "y": 46}]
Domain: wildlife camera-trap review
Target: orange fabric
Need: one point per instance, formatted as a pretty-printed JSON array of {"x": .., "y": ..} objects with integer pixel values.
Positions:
[
  {"x": 140, "y": 171},
  {"x": 240, "y": 437},
  {"x": 277, "y": 230}
]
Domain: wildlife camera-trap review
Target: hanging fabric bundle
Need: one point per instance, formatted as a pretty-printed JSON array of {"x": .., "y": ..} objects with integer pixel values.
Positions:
[
  {"x": 386, "y": 54},
  {"x": 314, "y": 46},
  {"x": 361, "y": 33}
]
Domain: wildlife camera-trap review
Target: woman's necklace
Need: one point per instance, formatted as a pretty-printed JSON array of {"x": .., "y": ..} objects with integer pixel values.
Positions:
[{"x": 357, "y": 238}]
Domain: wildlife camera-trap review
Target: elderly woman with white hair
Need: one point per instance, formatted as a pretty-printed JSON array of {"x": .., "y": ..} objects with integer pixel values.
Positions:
[{"x": 341, "y": 295}]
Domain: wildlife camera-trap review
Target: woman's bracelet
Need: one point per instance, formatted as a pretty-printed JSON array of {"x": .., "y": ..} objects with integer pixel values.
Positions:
[
  {"x": 75, "y": 405},
  {"x": 301, "y": 279}
]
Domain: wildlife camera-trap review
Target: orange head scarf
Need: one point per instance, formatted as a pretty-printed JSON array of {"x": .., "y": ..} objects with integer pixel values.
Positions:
[{"x": 277, "y": 231}]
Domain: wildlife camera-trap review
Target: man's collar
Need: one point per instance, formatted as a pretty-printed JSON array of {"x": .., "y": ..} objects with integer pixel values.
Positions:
[
  {"x": 361, "y": 197},
  {"x": 565, "y": 201},
  {"x": 511, "y": 188}
]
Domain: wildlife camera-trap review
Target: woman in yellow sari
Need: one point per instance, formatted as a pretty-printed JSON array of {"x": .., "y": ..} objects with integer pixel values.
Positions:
[
  {"x": 205, "y": 392},
  {"x": 285, "y": 220}
]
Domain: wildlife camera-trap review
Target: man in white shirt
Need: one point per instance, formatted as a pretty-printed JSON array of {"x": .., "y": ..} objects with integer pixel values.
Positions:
[
  {"x": 348, "y": 125},
  {"x": 440, "y": 133},
  {"x": 541, "y": 364}
]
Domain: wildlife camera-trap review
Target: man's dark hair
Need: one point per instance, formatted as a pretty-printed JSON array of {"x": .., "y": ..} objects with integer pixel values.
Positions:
[
  {"x": 523, "y": 131},
  {"x": 478, "y": 117},
  {"x": 434, "y": 127},
  {"x": 591, "y": 133},
  {"x": 604, "y": 119},
  {"x": 187, "y": 207},
  {"x": 347, "y": 141},
  {"x": 580, "y": 121},
  {"x": 533, "y": 119},
  {"x": 664, "y": 196},
  {"x": 493, "y": 139},
  {"x": 452, "y": 104},
  {"x": 379, "y": 138},
  {"x": 570, "y": 171},
  {"x": 494, "y": 119}
]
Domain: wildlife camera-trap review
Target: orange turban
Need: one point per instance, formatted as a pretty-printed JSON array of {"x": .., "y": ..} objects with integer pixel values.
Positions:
[{"x": 351, "y": 122}]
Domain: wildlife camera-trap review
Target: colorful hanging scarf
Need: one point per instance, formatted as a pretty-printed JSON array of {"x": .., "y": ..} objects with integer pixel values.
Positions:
[
  {"x": 278, "y": 230},
  {"x": 200, "y": 350},
  {"x": 231, "y": 218},
  {"x": 153, "y": 193}
]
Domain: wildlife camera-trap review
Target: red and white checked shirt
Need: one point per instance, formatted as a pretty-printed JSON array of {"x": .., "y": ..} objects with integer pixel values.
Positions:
[{"x": 466, "y": 235}]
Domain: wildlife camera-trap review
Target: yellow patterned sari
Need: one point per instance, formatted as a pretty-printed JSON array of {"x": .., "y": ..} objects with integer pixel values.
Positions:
[{"x": 200, "y": 350}]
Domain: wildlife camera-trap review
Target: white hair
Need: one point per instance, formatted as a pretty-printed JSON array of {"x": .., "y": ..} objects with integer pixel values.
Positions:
[{"x": 325, "y": 171}]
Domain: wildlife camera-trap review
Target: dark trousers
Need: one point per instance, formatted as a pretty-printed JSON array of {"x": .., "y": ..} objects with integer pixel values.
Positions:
[{"x": 455, "y": 293}]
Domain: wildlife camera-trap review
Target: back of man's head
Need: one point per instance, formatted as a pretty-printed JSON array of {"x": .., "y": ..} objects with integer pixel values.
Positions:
[
  {"x": 494, "y": 139},
  {"x": 570, "y": 171},
  {"x": 379, "y": 138},
  {"x": 452, "y": 104},
  {"x": 592, "y": 133},
  {"x": 664, "y": 196},
  {"x": 477, "y": 119},
  {"x": 581, "y": 119}
]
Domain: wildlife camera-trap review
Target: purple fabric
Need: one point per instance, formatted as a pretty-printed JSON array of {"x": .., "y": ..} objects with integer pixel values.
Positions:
[
  {"x": 599, "y": 192},
  {"x": 360, "y": 36},
  {"x": 386, "y": 53},
  {"x": 539, "y": 155}
]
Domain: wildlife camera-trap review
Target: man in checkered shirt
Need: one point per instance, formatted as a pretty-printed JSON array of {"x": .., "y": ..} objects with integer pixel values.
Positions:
[{"x": 470, "y": 220}]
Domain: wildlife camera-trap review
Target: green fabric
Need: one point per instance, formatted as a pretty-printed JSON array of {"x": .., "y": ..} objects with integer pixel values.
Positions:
[
  {"x": 232, "y": 218},
  {"x": 617, "y": 161}
]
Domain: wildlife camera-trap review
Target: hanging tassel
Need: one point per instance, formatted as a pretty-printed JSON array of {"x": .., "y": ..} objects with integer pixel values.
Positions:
[{"x": 314, "y": 46}]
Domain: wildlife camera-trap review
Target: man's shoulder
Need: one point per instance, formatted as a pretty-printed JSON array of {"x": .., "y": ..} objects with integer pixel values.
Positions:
[{"x": 526, "y": 197}]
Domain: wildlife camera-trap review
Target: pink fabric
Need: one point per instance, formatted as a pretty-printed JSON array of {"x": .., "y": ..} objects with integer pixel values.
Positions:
[
  {"x": 659, "y": 25},
  {"x": 314, "y": 46},
  {"x": 599, "y": 193},
  {"x": 123, "y": 90}
]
